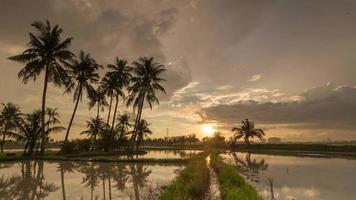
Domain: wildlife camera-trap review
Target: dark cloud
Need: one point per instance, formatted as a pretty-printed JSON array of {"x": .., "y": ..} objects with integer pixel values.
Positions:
[{"x": 320, "y": 107}]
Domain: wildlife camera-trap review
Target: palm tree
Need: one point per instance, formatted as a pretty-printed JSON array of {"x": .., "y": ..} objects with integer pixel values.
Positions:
[
  {"x": 142, "y": 131},
  {"x": 9, "y": 117},
  {"x": 123, "y": 125},
  {"x": 83, "y": 72},
  {"x": 145, "y": 82},
  {"x": 247, "y": 131},
  {"x": 97, "y": 97},
  {"x": 95, "y": 126},
  {"x": 53, "y": 119},
  {"x": 29, "y": 129},
  {"x": 47, "y": 52},
  {"x": 121, "y": 73},
  {"x": 108, "y": 85}
]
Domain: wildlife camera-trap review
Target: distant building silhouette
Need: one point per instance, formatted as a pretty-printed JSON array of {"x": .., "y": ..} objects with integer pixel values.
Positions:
[{"x": 274, "y": 140}]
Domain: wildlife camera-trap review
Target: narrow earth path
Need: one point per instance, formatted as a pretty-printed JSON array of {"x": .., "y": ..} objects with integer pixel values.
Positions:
[{"x": 214, "y": 188}]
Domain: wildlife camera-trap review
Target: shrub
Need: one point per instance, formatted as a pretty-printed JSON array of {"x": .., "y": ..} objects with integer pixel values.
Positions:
[
  {"x": 83, "y": 145},
  {"x": 69, "y": 147}
]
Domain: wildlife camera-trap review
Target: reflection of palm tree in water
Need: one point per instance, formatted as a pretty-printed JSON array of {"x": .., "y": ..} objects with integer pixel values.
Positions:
[
  {"x": 249, "y": 164},
  {"x": 65, "y": 167},
  {"x": 29, "y": 185},
  {"x": 120, "y": 176},
  {"x": 270, "y": 183},
  {"x": 91, "y": 176},
  {"x": 139, "y": 175}
]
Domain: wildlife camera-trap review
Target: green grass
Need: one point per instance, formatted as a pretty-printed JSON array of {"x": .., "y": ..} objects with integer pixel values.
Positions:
[
  {"x": 192, "y": 182},
  {"x": 232, "y": 185},
  {"x": 95, "y": 157}
]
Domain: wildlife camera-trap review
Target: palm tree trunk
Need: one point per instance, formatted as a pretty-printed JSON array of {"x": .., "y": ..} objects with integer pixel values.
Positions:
[
  {"x": 44, "y": 109},
  {"x": 107, "y": 121},
  {"x": 38, "y": 146},
  {"x": 71, "y": 119},
  {"x": 98, "y": 112},
  {"x": 62, "y": 183},
  {"x": 94, "y": 138},
  {"x": 44, "y": 143},
  {"x": 138, "y": 118},
  {"x": 3, "y": 139},
  {"x": 24, "y": 151},
  {"x": 113, "y": 124},
  {"x": 32, "y": 144}
]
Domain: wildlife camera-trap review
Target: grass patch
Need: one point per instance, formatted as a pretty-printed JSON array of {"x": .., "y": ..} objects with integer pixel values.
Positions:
[
  {"x": 94, "y": 157},
  {"x": 232, "y": 184},
  {"x": 192, "y": 182}
]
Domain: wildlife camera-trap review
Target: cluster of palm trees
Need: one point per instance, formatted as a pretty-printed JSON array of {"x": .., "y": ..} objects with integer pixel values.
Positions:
[
  {"x": 134, "y": 85},
  {"x": 27, "y": 127}
]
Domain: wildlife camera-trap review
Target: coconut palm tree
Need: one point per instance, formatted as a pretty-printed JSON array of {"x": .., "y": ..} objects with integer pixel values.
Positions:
[
  {"x": 97, "y": 97},
  {"x": 84, "y": 73},
  {"x": 9, "y": 117},
  {"x": 142, "y": 131},
  {"x": 46, "y": 53},
  {"x": 95, "y": 127},
  {"x": 108, "y": 85},
  {"x": 121, "y": 73},
  {"x": 53, "y": 119},
  {"x": 29, "y": 129},
  {"x": 123, "y": 124},
  {"x": 247, "y": 131},
  {"x": 145, "y": 83}
]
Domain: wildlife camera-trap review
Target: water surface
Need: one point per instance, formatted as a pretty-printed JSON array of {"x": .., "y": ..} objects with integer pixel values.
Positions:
[
  {"x": 83, "y": 180},
  {"x": 298, "y": 178}
]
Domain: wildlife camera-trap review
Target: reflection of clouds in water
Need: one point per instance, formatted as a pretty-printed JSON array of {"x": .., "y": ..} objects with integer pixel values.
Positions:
[
  {"x": 304, "y": 178},
  {"x": 298, "y": 193},
  {"x": 289, "y": 193}
]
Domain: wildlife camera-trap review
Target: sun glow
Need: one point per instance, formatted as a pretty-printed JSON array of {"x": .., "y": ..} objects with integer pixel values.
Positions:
[{"x": 208, "y": 129}]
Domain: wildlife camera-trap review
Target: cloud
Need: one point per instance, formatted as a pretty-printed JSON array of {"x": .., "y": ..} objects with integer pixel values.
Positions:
[
  {"x": 255, "y": 77},
  {"x": 324, "y": 107}
]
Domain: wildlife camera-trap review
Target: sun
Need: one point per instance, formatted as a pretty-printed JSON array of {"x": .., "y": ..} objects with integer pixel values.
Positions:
[{"x": 208, "y": 129}]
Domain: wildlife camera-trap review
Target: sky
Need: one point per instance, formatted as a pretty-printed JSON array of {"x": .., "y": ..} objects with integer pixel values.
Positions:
[{"x": 287, "y": 65}]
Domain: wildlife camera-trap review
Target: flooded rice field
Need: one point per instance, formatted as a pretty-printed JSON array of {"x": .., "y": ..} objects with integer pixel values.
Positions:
[{"x": 297, "y": 178}]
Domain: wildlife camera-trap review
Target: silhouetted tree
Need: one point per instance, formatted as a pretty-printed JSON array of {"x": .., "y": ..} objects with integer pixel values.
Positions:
[
  {"x": 145, "y": 83},
  {"x": 247, "y": 131},
  {"x": 95, "y": 127},
  {"x": 29, "y": 129},
  {"x": 108, "y": 85},
  {"x": 142, "y": 131},
  {"x": 122, "y": 127},
  {"x": 97, "y": 97},
  {"x": 53, "y": 120},
  {"x": 9, "y": 116},
  {"x": 84, "y": 72},
  {"x": 121, "y": 73},
  {"x": 47, "y": 52}
]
